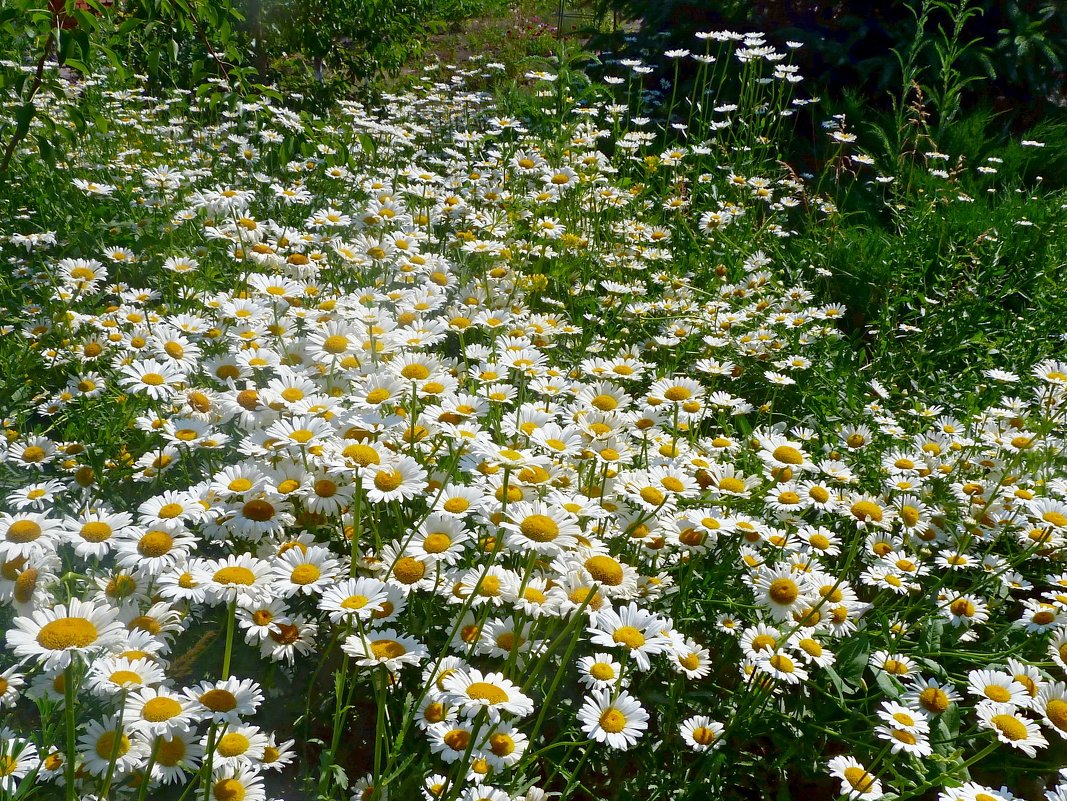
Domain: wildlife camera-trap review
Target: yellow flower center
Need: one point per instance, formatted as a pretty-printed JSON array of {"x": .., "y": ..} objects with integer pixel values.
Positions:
[
  {"x": 605, "y": 403},
  {"x": 67, "y": 632},
  {"x": 859, "y": 779},
  {"x": 24, "y": 531},
  {"x": 629, "y": 636},
  {"x": 335, "y": 343},
  {"x": 784, "y": 591},
  {"x": 105, "y": 745},
  {"x": 235, "y": 575},
  {"x": 159, "y": 709},
  {"x": 539, "y": 528},
  {"x": 155, "y": 543},
  {"x": 363, "y": 455},
  {"x": 258, "y": 511},
  {"x": 612, "y": 720},
  {"x": 602, "y": 671},
  {"x": 997, "y": 693},
  {"x": 962, "y": 607},
  {"x": 1010, "y": 726},
  {"x": 122, "y": 677},
  {"x": 605, "y": 570},
  {"x": 457, "y": 739},
  {"x": 233, "y": 744},
  {"x": 788, "y": 455},
  {"x": 501, "y": 744},
  {"x": 933, "y": 699},
  {"x": 228, "y": 790},
  {"x": 408, "y": 570},
  {"x": 702, "y": 735},
  {"x": 782, "y": 663},
  {"x": 437, "y": 543},
  {"x": 170, "y": 752},
  {"x": 388, "y": 480},
  {"x": 305, "y": 574},
  {"x": 484, "y": 691},
  {"x": 867, "y": 510},
  {"x": 1056, "y": 712}
]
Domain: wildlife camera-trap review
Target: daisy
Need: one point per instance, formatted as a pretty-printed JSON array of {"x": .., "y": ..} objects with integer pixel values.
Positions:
[
  {"x": 116, "y": 674},
  {"x": 233, "y": 576},
  {"x": 450, "y": 740},
  {"x": 856, "y": 783},
  {"x": 54, "y": 636},
  {"x": 782, "y": 665},
  {"x": 103, "y": 744},
  {"x": 929, "y": 695},
  {"x": 541, "y": 528},
  {"x": 176, "y": 756},
  {"x": 401, "y": 479},
  {"x": 474, "y": 691},
  {"x": 300, "y": 434},
  {"x": 1051, "y": 702},
  {"x": 287, "y": 639},
  {"x": 155, "y": 551},
  {"x": 259, "y": 515},
  {"x": 691, "y": 659},
  {"x": 600, "y": 670},
  {"x": 965, "y": 610},
  {"x": 159, "y": 713},
  {"x": 93, "y": 533},
  {"x": 305, "y": 572},
  {"x": 260, "y": 617},
  {"x": 17, "y": 758},
  {"x": 354, "y": 598},
  {"x": 226, "y": 701},
  {"x": 894, "y": 664},
  {"x": 701, "y": 733},
  {"x": 386, "y": 647},
  {"x": 503, "y": 746},
  {"x": 170, "y": 508},
  {"x": 619, "y": 722},
  {"x": 782, "y": 591},
  {"x": 36, "y": 496},
  {"x": 277, "y": 755},
  {"x": 234, "y": 782},
  {"x": 780, "y": 454},
  {"x": 1011, "y": 727},
  {"x": 11, "y": 683},
  {"x": 157, "y": 380},
  {"x": 998, "y": 687},
  {"x": 633, "y": 628},
  {"x": 440, "y": 538},
  {"x": 239, "y": 745},
  {"x": 27, "y": 534}
]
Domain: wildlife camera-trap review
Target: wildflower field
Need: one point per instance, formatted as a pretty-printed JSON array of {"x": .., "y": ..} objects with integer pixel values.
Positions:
[{"x": 516, "y": 439}]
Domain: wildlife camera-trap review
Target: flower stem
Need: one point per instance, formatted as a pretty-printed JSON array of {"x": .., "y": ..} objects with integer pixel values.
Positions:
[
  {"x": 230, "y": 620},
  {"x": 68, "y": 713}
]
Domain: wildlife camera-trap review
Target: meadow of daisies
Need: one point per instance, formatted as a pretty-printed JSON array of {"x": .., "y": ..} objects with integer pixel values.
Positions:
[{"x": 422, "y": 449}]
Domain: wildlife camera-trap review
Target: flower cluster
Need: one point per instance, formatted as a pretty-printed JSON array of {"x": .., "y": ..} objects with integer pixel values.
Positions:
[{"x": 352, "y": 413}]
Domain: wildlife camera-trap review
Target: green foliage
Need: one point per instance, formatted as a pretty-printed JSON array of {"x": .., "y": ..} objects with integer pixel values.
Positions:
[{"x": 1013, "y": 51}]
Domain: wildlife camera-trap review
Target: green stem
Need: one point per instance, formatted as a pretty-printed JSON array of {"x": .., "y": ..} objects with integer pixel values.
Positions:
[
  {"x": 230, "y": 620},
  {"x": 115, "y": 745},
  {"x": 68, "y": 713},
  {"x": 143, "y": 790},
  {"x": 357, "y": 511}
]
